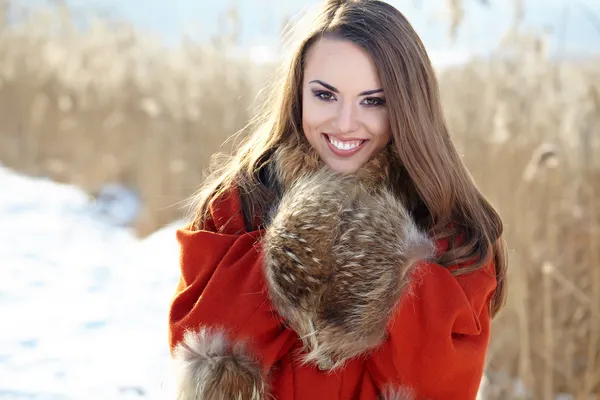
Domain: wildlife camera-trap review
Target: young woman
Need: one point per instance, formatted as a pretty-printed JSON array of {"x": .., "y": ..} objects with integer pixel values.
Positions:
[{"x": 344, "y": 252}]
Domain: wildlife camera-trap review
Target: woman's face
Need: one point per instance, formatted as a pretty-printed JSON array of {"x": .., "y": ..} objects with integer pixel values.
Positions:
[{"x": 344, "y": 115}]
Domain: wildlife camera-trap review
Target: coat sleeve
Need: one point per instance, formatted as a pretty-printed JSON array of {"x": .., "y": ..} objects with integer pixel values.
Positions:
[
  {"x": 438, "y": 338},
  {"x": 223, "y": 332}
]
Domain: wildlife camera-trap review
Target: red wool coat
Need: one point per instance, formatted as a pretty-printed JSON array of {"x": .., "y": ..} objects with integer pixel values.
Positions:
[{"x": 436, "y": 343}]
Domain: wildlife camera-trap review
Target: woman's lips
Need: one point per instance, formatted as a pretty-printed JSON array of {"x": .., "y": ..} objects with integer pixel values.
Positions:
[{"x": 344, "y": 148}]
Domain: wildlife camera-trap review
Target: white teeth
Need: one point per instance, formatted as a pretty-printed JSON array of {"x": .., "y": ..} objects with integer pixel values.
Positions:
[{"x": 350, "y": 145}]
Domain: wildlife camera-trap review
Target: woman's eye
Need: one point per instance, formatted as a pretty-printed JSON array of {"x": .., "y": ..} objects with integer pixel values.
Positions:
[
  {"x": 374, "y": 101},
  {"x": 327, "y": 96}
]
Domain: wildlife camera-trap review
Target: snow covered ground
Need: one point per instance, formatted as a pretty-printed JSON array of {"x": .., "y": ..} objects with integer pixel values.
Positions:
[{"x": 83, "y": 303}]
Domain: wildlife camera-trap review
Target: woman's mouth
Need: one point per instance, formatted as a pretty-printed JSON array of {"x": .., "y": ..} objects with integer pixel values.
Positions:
[{"x": 344, "y": 148}]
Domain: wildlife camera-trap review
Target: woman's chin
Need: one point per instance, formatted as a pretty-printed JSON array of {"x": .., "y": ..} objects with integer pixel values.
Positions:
[{"x": 344, "y": 166}]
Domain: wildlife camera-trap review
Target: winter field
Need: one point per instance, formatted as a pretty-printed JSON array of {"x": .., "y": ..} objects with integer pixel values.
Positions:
[
  {"x": 87, "y": 269},
  {"x": 83, "y": 302}
]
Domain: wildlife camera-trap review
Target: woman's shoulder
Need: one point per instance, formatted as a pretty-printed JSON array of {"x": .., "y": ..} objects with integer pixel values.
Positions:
[
  {"x": 223, "y": 214},
  {"x": 475, "y": 275},
  {"x": 473, "y": 280}
]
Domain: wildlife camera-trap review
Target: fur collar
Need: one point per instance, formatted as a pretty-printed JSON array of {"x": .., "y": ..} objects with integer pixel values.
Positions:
[{"x": 296, "y": 159}]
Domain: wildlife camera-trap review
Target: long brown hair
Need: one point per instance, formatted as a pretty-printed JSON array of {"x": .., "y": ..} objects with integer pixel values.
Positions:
[{"x": 455, "y": 207}]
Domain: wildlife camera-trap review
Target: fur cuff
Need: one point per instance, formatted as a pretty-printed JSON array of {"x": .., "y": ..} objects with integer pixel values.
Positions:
[
  {"x": 338, "y": 257},
  {"x": 401, "y": 393},
  {"x": 209, "y": 367}
]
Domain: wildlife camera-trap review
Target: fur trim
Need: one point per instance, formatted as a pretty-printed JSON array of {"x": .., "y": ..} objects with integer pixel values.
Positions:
[
  {"x": 295, "y": 160},
  {"x": 209, "y": 367},
  {"x": 338, "y": 255},
  {"x": 401, "y": 393}
]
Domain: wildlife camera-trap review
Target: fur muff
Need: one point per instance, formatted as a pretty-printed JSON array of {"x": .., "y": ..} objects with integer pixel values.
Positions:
[
  {"x": 338, "y": 257},
  {"x": 210, "y": 367}
]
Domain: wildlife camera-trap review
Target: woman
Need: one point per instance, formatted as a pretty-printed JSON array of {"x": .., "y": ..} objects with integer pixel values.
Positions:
[{"x": 344, "y": 252}]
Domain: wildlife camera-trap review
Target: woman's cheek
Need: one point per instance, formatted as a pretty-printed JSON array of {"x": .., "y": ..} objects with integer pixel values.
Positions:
[
  {"x": 378, "y": 123},
  {"x": 315, "y": 114}
]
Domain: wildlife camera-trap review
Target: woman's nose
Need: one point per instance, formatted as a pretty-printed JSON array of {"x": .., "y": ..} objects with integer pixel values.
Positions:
[{"x": 346, "y": 118}]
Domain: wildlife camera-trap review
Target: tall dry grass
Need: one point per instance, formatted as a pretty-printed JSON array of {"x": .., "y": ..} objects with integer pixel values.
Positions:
[
  {"x": 110, "y": 104},
  {"x": 530, "y": 133}
]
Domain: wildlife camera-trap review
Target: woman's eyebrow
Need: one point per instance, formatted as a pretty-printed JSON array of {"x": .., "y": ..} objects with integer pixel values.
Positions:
[
  {"x": 334, "y": 90},
  {"x": 326, "y": 85},
  {"x": 368, "y": 92}
]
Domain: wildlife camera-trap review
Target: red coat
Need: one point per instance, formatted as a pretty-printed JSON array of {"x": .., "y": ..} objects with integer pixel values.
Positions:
[{"x": 436, "y": 344}]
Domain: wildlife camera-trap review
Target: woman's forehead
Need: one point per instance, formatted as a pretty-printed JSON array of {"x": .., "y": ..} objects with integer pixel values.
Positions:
[{"x": 342, "y": 64}]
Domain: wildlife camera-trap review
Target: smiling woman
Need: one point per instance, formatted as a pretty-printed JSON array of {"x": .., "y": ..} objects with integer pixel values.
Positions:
[{"x": 343, "y": 252}]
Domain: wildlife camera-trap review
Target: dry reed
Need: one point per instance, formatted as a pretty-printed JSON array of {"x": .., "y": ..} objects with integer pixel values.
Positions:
[{"x": 110, "y": 104}]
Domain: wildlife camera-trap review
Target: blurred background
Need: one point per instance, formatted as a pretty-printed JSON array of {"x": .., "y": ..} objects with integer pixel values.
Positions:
[{"x": 110, "y": 112}]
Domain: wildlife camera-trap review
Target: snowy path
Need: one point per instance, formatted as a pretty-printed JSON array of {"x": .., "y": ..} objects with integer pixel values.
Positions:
[{"x": 83, "y": 304}]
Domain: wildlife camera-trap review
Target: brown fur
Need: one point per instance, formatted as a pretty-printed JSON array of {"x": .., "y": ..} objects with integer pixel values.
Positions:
[
  {"x": 298, "y": 159},
  {"x": 293, "y": 160},
  {"x": 209, "y": 367},
  {"x": 338, "y": 255}
]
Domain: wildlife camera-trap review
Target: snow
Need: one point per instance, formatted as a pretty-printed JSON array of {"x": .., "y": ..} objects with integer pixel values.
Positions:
[
  {"x": 117, "y": 203},
  {"x": 83, "y": 302}
]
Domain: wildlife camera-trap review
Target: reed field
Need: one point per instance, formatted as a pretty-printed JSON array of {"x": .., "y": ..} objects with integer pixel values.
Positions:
[{"x": 110, "y": 104}]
